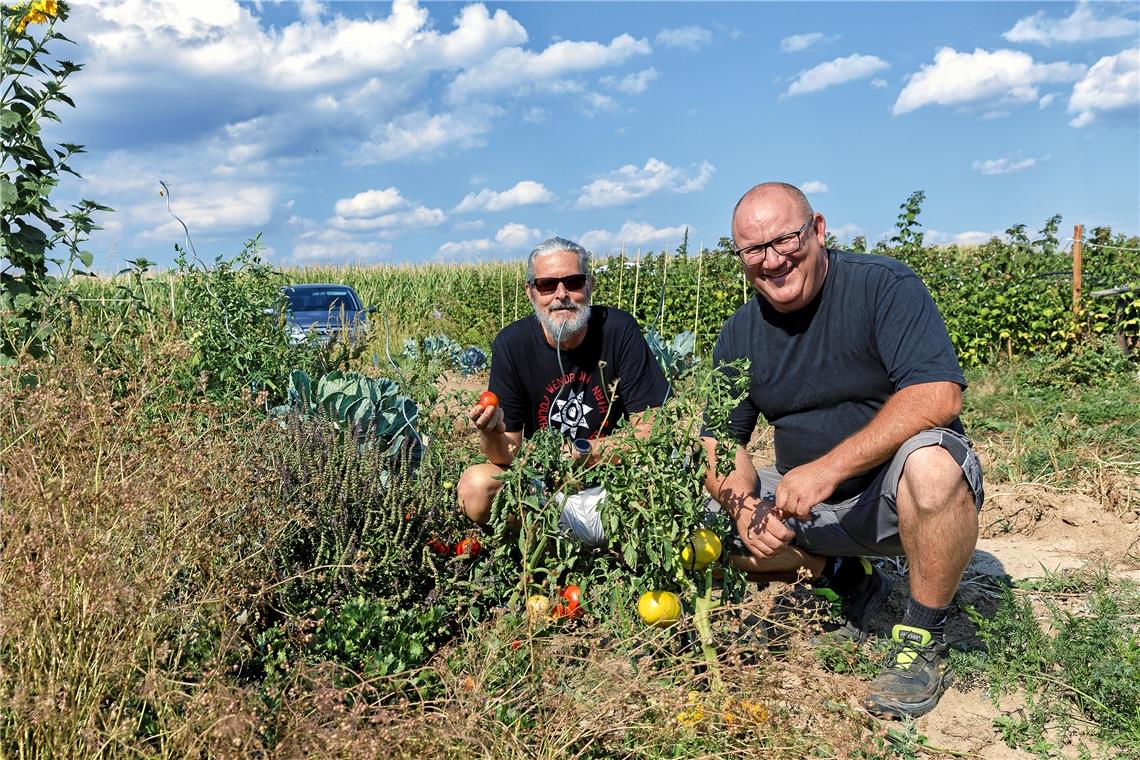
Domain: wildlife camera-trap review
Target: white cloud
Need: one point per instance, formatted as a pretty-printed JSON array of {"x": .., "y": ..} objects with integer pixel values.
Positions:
[
  {"x": 632, "y": 235},
  {"x": 814, "y": 186},
  {"x": 470, "y": 224},
  {"x": 878, "y": 82},
  {"x": 633, "y": 84},
  {"x": 1002, "y": 76},
  {"x": 1006, "y": 164},
  {"x": 225, "y": 38},
  {"x": 1081, "y": 26},
  {"x": 516, "y": 70},
  {"x": 525, "y": 193},
  {"x": 516, "y": 235},
  {"x": 845, "y": 233},
  {"x": 690, "y": 37},
  {"x": 414, "y": 218},
  {"x": 338, "y": 246},
  {"x": 631, "y": 182},
  {"x": 370, "y": 203},
  {"x": 797, "y": 42},
  {"x": 534, "y": 115},
  {"x": 967, "y": 238},
  {"x": 509, "y": 237},
  {"x": 419, "y": 134},
  {"x": 836, "y": 72},
  {"x": 1046, "y": 100},
  {"x": 1111, "y": 84},
  {"x": 208, "y": 209},
  {"x": 466, "y": 249}
]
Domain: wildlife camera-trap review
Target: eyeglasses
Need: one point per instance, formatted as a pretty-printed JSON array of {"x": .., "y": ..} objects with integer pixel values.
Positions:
[
  {"x": 785, "y": 245},
  {"x": 547, "y": 285}
]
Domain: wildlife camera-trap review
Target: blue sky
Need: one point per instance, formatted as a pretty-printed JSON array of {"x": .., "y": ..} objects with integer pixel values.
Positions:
[{"x": 412, "y": 132}]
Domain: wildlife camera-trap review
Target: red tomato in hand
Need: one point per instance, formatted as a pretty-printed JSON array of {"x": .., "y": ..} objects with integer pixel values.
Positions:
[
  {"x": 468, "y": 547},
  {"x": 486, "y": 399}
]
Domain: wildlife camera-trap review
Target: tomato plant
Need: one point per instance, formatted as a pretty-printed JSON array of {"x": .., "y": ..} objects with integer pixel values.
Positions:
[
  {"x": 438, "y": 546},
  {"x": 487, "y": 398}
]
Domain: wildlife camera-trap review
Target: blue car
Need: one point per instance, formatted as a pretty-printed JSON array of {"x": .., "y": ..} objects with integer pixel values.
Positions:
[{"x": 325, "y": 311}]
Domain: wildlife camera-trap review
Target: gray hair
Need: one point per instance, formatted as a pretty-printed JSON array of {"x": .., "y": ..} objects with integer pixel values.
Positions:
[
  {"x": 554, "y": 245},
  {"x": 798, "y": 197}
]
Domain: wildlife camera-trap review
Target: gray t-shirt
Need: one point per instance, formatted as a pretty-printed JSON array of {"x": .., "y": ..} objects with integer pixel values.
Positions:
[{"x": 820, "y": 374}]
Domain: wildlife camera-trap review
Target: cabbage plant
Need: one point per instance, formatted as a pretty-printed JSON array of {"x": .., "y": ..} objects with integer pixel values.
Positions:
[{"x": 372, "y": 409}]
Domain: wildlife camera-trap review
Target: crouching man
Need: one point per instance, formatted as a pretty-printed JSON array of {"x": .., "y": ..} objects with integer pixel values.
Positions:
[
  {"x": 557, "y": 369},
  {"x": 852, "y": 366}
]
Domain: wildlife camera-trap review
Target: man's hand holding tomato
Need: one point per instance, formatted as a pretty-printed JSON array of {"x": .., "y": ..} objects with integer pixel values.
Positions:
[{"x": 488, "y": 420}]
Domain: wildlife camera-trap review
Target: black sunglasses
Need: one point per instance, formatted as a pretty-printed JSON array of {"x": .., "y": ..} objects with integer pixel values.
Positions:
[{"x": 547, "y": 285}]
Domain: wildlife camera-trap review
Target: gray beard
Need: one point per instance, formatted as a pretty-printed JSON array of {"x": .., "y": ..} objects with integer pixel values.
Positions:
[{"x": 561, "y": 330}]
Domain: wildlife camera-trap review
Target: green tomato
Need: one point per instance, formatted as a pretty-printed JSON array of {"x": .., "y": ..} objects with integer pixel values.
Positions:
[
  {"x": 702, "y": 550},
  {"x": 659, "y": 608}
]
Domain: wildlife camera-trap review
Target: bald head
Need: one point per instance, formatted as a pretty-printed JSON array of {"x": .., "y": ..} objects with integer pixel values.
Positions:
[{"x": 766, "y": 192}]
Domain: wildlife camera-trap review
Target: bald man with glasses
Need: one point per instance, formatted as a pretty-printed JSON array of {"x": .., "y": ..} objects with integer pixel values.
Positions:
[
  {"x": 852, "y": 366},
  {"x": 557, "y": 369}
]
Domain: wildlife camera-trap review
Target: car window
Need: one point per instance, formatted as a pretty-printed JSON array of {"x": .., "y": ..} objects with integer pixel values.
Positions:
[{"x": 322, "y": 300}]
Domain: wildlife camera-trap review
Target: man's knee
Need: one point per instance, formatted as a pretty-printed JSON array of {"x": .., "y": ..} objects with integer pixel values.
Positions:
[
  {"x": 932, "y": 480},
  {"x": 476, "y": 490}
]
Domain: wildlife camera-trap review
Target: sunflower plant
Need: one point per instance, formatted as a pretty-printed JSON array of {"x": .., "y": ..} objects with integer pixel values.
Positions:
[{"x": 31, "y": 228}]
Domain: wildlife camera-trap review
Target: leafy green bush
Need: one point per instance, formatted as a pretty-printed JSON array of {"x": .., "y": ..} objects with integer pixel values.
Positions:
[
  {"x": 355, "y": 574},
  {"x": 233, "y": 317}
]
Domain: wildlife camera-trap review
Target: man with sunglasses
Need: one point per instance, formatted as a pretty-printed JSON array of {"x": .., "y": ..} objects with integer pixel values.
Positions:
[
  {"x": 558, "y": 369},
  {"x": 851, "y": 364}
]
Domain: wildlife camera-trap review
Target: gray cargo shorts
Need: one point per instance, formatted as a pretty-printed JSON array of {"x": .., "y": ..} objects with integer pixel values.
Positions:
[{"x": 868, "y": 524}]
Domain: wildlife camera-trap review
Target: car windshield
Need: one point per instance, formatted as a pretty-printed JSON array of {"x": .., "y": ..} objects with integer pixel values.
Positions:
[{"x": 321, "y": 300}]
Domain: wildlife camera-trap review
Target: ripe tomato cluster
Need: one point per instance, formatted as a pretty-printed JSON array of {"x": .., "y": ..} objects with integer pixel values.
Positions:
[
  {"x": 539, "y": 607},
  {"x": 468, "y": 547}
]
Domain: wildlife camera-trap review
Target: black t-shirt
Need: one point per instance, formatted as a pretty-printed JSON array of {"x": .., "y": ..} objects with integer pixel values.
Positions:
[
  {"x": 820, "y": 374},
  {"x": 574, "y": 399}
]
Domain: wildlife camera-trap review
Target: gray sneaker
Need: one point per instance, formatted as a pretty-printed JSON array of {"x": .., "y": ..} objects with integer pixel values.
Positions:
[{"x": 914, "y": 676}]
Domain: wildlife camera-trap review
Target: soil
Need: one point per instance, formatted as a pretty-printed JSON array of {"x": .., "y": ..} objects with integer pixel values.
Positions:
[{"x": 1028, "y": 531}]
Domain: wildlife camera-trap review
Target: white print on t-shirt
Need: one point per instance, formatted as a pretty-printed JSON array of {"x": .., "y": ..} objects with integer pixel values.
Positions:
[
  {"x": 571, "y": 413},
  {"x": 569, "y": 409}
]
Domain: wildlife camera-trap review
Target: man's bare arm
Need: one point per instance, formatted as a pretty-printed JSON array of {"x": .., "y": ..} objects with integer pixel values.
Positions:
[
  {"x": 758, "y": 523},
  {"x": 499, "y": 446},
  {"x": 909, "y": 411}
]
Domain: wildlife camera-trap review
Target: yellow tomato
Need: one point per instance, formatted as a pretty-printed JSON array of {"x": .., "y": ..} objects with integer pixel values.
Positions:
[
  {"x": 702, "y": 550},
  {"x": 659, "y": 608},
  {"x": 536, "y": 608}
]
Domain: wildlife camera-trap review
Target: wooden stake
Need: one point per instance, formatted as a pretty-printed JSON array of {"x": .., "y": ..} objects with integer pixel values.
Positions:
[
  {"x": 518, "y": 276},
  {"x": 636, "y": 278},
  {"x": 1078, "y": 232},
  {"x": 502, "y": 301},
  {"x": 621, "y": 274},
  {"x": 697, "y": 310}
]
